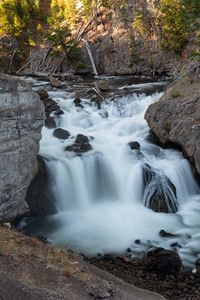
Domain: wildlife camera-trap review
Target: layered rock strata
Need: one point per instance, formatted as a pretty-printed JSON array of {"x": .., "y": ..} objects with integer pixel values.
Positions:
[{"x": 21, "y": 115}]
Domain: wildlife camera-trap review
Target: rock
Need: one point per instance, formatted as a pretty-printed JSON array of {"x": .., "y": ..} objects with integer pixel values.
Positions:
[
  {"x": 40, "y": 195},
  {"x": 100, "y": 292},
  {"x": 61, "y": 133},
  {"x": 55, "y": 82},
  {"x": 50, "y": 122},
  {"x": 197, "y": 264},
  {"x": 175, "y": 120},
  {"x": 134, "y": 145},
  {"x": 103, "y": 85},
  {"x": 80, "y": 138},
  {"x": 77, "y": 100},
  {"x": 163, "y": 262},
  {"x": 21, "y": 115},
  {"x": 159, "y": 191},
  {"x": 81, "y": 144},
  {"x": 79, "y": 148},
  {"x": 137, "y": 241},
  {"x": 43, "y": 94},
  {"x": 49, "y": 104},
  {"x": 58, "y": 112},
  {"x": 164, "y": 233}
]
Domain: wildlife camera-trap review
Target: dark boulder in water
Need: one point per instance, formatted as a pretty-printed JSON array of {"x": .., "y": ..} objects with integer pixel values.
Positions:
[
  {"x": 40, "y": 196},
  {"x": 159, "y": 191},
  {"x": 77, "y": 100},
  {"x": 58, "y": 112},
  {"x": 61, "y": 133},
  {"x": 50, "y": 122},
  {"x": 164, "y": 234},
  {"x": 80, "y": 138},
  {"x": 81, "y": 144},
  {"x": 79, "y": 148},
  {"x": 163, "y": 262},
  {"x": 134, "y": 145}
]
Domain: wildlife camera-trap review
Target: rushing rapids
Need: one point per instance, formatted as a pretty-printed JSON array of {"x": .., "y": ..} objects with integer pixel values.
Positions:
[{"x": 122, "y": 191}]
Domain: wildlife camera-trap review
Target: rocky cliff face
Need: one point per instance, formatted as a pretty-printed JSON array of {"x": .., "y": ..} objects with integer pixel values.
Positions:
[
  {"x": 21, "y": 115},
  {"x": 175, "y": 118}
]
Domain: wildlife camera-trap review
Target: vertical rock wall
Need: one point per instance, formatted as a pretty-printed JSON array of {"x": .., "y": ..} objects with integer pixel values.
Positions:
[{"x": 21, "y": 120}]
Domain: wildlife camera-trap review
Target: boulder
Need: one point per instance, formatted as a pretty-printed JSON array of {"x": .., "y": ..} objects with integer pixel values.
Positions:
[
  {"x": 49, "y": 104},
  {"x": 175, "y": 120},
  {"x": 40, "y": 196},
  {"x": 58, "y": 112},
  {"x": 50, "y": 122},
  {"x": 61, "y": 133},
  {"x": 103, "y": 86},
  {"x": 77, "y": 100},
  {"x": 162, "y": 262},
  {"x": 55, "y": 82},
  {"x": 43, "y": 94},
  {"x": 159, "y": 191},
  {"x": 134, "y": 145},
  {"x": 22, "y": 115},
  {"x": 79, "y": 148},
  {"x": 81, "y": 144},
  {"x": 80, "y": 138}
]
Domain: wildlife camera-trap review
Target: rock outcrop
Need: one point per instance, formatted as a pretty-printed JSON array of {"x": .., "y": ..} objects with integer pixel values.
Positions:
[
  {"x": 21, "y": 115},
  {"x": 175, "y": 118}
]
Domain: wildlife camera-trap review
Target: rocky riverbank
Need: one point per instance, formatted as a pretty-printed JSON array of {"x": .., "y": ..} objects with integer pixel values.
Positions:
[
  {"x": 174, "y": 119},
  {"x": 33, "y": 270},
  {"x": 177, "y": 286},
  {"x": 22, "y": 115}
]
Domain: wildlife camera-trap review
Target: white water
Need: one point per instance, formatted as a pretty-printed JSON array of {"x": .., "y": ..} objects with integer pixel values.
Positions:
[{"x": 100, "y": 205}]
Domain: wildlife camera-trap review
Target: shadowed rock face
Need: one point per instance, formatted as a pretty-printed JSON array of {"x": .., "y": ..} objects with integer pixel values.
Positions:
[
  {"x": 21, "y": 115},
  {"x": 159, "y": 191},
  {"x": 175, "y": 118}
]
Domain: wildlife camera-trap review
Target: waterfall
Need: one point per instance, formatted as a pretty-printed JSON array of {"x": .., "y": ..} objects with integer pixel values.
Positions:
[{"x": 110, "y": 196}]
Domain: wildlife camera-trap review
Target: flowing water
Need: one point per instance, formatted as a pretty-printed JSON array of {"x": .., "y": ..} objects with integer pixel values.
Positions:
[{"x": 101, "y": 195}]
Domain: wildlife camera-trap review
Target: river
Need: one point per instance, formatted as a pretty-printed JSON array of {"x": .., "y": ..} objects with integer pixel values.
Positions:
[{"x": 102, "y": 203}]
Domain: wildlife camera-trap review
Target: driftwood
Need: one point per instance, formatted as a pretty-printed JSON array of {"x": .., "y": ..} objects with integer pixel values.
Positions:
[{"x": 87, "y": 46}]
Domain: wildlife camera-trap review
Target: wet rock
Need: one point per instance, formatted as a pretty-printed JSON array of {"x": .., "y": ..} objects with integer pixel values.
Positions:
[
  {"x": 81, "y": 144},
  {"x": 50, "y": 122},
  {"x": 49, "y": 104},
  {"x": 43, "y": 94},
  {"x": 103, "y": 86},
  {"x": 79, "y": 148},
  {"x": 53, "y": 107},
  {"x": 77, "y": 100},
  {"x": 58, "y": 112},
  {"x": 176, "y": 244},
  {"x": 40, "y": 196},
  {"x": 163, "y": 262},
  {"x": 164, "y": 233},
  {"x": 159, "y": 191},
  {"x": 134, "y": 145},
  {"x": 197, "y": 264},
  {"x": 80, "y": 138},
  {"x": 137, "y": 241},
  {"x": 61, "y": 133}
]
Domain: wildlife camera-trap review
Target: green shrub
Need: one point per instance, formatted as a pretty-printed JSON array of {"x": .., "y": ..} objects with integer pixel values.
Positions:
[{"x": 174, "y": 94}]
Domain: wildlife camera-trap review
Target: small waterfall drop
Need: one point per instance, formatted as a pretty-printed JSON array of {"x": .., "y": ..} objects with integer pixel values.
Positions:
[{"x": 102, "y": 194}]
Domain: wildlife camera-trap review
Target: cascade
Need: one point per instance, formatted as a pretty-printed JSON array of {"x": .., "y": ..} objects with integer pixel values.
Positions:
[{"x": 104, "y": 195}]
